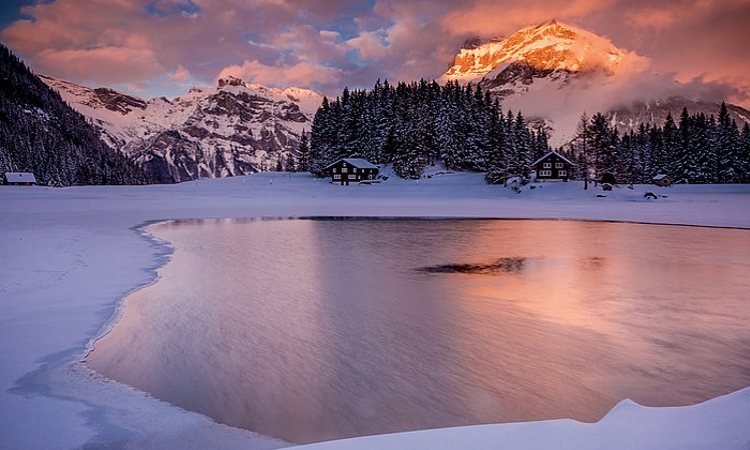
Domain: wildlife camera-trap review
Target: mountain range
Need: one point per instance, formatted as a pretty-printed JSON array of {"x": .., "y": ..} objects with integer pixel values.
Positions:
[
  {"x": 233, "y": 129},
  {"x": 552, "y": 73},
  {"x": 41, "y": 134}
]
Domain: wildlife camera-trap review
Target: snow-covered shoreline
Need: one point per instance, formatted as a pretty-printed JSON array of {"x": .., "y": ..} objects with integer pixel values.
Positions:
[{"x": 72, "y": 255}]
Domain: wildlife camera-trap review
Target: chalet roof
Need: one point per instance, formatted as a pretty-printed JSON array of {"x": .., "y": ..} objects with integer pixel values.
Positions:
[
  {"x": 20, "y": 177},
  {"x": 359, "y": 163},
  {"x": 547, "y": 155},
  {"x": 661, "y": 176}
]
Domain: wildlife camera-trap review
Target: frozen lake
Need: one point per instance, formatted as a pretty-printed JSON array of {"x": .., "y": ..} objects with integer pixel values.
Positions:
[{"x": 310, "y": 330}]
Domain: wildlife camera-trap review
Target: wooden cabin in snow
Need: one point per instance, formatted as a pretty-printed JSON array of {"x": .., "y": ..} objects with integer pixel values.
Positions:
[
  {"x": 351, "y": 170},
  {"x": 662, "y": 180},
  {"x": 553, "y": 167},
  {"x": 19, "y": 179}
]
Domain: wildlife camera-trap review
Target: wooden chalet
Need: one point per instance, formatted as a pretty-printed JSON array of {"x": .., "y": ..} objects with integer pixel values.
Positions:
[
  {"x": 351, "y": 170},
  {"x": 553, "y": 167},
  {"x": 19, "y": 179},
  {"x": 662, "y": 180}
]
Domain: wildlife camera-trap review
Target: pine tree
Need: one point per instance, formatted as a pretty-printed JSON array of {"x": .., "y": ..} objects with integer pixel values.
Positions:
[
  {"x": 665, "y": 151},
  {"x": 303, "y": 152},
  {"x": 581, "y": 147},
  {"x": 744, "y": 154},
  {"x": 601, "y": 146},
  {"x": 727, "y": 148},
  {"x": 496, "y": 154}
]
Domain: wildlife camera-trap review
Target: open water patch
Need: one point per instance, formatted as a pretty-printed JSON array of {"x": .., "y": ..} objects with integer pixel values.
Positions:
[{"x": 309, "y": 330}]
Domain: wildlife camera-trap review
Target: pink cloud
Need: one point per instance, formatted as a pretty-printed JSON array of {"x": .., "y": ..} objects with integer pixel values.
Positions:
[
  {"x": 491, "y": 18},
  {"x": 180, "y": 75},
  {"x": 281, "y": 76},
  {"x": 351, "y": 43},
  {"x": 113, "y": 64},
  {"x": 371, "y": 45}
]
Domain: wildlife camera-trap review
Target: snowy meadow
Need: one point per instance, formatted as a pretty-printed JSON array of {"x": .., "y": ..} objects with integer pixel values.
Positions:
[{"x": 72, "y": 255}]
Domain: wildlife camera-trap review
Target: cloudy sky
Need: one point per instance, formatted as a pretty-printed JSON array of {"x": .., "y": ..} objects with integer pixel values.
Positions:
[{"x": 162, "y": 47}]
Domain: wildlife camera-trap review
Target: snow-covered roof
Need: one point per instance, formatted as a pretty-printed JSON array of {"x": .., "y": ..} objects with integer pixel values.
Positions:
[
  {"x": 20, "y": 177},
  {"x": 661, "y": 176},
  {"x": 359, "y": 163},
  {"x": 547, "y": 155}
]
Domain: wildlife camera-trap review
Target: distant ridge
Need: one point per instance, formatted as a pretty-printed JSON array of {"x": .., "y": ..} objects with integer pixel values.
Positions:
[
  {"x": 233, "y": 129},
  {"x": 41, "y": 134}
]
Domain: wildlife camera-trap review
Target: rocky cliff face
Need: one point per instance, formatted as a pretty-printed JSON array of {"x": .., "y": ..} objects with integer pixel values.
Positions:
[{"x": 233, "y": 129}]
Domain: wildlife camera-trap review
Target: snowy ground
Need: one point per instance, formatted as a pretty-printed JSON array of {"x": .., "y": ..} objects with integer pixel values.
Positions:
[{"x": 69, "y": 256}]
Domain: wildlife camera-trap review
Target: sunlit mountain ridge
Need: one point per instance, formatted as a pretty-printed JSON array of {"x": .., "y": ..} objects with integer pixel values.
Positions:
[{"x": 555, "y": 72}]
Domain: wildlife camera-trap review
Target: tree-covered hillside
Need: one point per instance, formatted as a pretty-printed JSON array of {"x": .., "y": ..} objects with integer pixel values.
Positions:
[
  {"x": 694, "y": 149},
  {"x": 40, "y": 133},
  {"x": 413, "y": 125},
  {"x": 463, "y": 128}
]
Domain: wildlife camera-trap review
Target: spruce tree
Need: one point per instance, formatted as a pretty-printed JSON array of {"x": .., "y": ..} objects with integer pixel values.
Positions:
[
  {"x": 581, "y": 146},
  {"x": 303, "y": 162}
]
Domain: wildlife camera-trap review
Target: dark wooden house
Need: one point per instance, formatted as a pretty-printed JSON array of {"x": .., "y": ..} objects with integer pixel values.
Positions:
[
  {"x": 662, "y": 180},
  {"x": 553, "y": 167},
  {"x": 19, "y": 179},
  {"x": 351, "y": 170}
]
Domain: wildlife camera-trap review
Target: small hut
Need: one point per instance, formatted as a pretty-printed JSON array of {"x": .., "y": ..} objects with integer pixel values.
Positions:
[
  {"x": 662, "y": 180},
  {"x": 19, "y": 179}
]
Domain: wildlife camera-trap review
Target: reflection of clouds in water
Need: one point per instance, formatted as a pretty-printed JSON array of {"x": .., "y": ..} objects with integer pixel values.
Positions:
[
  {"x": 501, "y": 265},
  {"x": 319, "y": 329}
]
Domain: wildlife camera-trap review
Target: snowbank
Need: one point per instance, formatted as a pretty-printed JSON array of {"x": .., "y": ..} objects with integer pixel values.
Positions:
[{"x": 70, "y": 255}]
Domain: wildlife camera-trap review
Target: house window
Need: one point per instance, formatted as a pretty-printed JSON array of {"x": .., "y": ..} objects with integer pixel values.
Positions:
[
  {"x": 547, "y": 165},
  {"x": 545, "y": 173},
  {"x": 344, "y": 170},
  {"x": 337, "y": 177},
  {"x": 558, "y": 165},
  {"x": 334, "y": 170},
  {"x": 354, "y": 170},
  {"x": 562, "y": 173},
  {"x": 352, "y": 177}
]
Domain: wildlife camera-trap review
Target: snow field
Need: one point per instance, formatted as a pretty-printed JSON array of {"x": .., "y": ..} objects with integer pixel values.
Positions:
[{"x": 71, "y": 255}]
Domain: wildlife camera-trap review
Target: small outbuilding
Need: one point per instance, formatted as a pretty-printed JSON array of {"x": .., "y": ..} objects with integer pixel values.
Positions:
[
  {"x": 553, "y": 167},
  {"x": 662, "y": 180},
  {"x": 351, "y": 170},
  {"x": 19, "y": 179}
]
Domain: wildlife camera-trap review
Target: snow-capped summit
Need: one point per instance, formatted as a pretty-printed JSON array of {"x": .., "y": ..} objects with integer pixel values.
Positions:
[
  {"x": 551, "y": 46},
  {"x": 554, "y": 72},
  {"x": 233, "y": 129},
  {"x": 551, "y": 72}
]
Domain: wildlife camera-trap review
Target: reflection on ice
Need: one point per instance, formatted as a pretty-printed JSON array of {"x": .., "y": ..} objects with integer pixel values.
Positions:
[{"x": 316, "y": 329}]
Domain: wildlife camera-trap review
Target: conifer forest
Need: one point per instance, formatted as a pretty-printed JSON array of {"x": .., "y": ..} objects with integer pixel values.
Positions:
[
  {"x": 41, "y": 134},
  {"x": 462, "y": 128}
]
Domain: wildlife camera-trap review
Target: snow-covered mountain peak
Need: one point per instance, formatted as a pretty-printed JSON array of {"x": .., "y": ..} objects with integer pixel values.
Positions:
[
  {"x": 307, "y": 99},
  {"x": 232, "y": 129},
  {"x": 551, "y": 46},
  {"x": 553, "y": 72}
]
